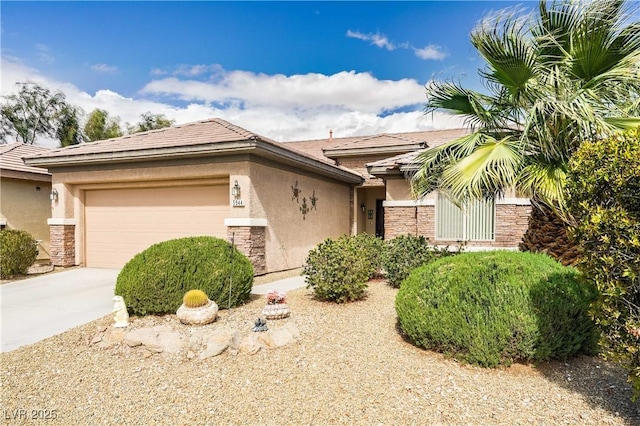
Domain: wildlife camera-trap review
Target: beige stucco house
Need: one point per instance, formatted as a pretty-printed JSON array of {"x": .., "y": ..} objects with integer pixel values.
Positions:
[
  {"x": 276, "y": 200},
  {"x": 25, "y": 195}
]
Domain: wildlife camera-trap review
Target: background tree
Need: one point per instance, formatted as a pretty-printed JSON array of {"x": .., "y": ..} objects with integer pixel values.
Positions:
[
  {"x": 101, "y": 126},
  {"x": 150, "y": 121},
  {"x": 555, "y": 79},
  {"x": 68, "y": 131},
  {"x": 37, "y": 112}
]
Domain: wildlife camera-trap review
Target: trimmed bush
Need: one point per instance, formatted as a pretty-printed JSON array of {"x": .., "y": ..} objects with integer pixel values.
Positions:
[
  {"x": 155, "y": 280},
  {"x": 338, "y": 270},
  {"x": 494, "y": 308},
  {"x": 603, "y": 196},
  {"x": 372, "y": 249},
  {"x": 18, "y": 252},
  {"x": 407, "y": 252}
]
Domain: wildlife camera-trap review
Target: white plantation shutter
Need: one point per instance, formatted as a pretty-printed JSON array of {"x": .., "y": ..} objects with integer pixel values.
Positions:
[
  {"x": 475, "y": 222},
  {"x": 449, "y": 220}
]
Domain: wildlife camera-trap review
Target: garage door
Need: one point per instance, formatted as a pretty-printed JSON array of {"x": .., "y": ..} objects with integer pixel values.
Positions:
[{"x": 122, "y": 222}]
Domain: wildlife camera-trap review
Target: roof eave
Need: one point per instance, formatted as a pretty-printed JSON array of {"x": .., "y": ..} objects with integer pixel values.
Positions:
[
  {"x": 261, "y": 148},
  {"x": 25, "y": 175},
  {"x": 386, "y": 150}
]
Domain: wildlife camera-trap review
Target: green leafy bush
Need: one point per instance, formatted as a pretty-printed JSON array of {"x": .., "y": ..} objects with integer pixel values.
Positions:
[
  {"x": 155, "y": 280},
  {"x": 338, "y": 270},
  {"x": 373, "y": 250},
  {"x": 494, "y": 308},
  {"x": 603, "y": 196},
  {"x": 17, "y": 252},
  {"x": 407, "y": 252}
]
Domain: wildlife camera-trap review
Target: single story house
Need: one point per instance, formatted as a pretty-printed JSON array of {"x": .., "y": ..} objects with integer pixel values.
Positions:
[
  {"x": 25, "y": 195},
  {"x": 276, "y": 200}
]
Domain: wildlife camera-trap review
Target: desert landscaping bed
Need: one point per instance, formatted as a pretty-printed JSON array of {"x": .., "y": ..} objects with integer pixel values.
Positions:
[{"x": 349, "y": 366}]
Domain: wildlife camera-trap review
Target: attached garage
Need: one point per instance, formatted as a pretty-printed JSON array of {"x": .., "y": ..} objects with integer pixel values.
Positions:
[
  {"x": 112, "y": 199},
  {"x": 122, "y": 222}
]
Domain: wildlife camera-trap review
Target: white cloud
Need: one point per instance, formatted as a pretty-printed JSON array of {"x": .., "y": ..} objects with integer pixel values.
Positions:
[
  {"x": 430, "y": 52},
  {"x": 280, "y": 107},
  {"x": 104, "y": 68},
  {"x": 377, "y": 39},
  {"x": 343, "y": 91}
]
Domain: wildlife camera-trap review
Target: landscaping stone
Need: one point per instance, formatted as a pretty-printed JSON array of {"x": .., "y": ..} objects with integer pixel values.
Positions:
[{"x": 172, "y": 338}]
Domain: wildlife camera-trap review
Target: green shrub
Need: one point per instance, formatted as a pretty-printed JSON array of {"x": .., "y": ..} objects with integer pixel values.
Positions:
[
  {"x": 603, "y": 196},
  {"x": 155, "y": 280},
  {"x": 494, "y": 308},
  {"x": 373, "y": 250},
  {"x": 338, "y": 270},
  {"x": 18, "y": 252},
  {"x": 407, "y": 252}
]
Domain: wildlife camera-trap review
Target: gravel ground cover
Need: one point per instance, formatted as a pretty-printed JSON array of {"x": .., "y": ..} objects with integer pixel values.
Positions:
[{"x": 351, "y": 366}]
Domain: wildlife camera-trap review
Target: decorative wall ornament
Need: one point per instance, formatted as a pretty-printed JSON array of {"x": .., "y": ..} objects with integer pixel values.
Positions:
[
  {"x": 296, "y": 192},
  {"x": 304, "y": 208}
]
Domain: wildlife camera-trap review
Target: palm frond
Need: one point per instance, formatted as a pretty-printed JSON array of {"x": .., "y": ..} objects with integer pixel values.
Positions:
[
  {"x": 543, "y": 183},
  {"x": 491, "y": 167}
]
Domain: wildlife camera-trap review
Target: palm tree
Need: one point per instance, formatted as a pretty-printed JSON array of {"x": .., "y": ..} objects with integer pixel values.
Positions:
[{"x": 567, "y": 74}]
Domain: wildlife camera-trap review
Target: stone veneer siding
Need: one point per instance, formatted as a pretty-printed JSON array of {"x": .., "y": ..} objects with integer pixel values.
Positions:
[
  {"x": 63, "y": 245},
  {"x": 511, "y": 224},
  {"x": 251, "y": 241}
]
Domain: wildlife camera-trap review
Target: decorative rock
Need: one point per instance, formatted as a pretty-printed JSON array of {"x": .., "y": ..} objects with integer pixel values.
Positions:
[
  {"x": 250, "y": 344},
  {"x": 121, "y": 318},
  {"x": 284, "y": 335},
  {"x": 218, "y": 342},
  {"x": 170, "y": 342},
  {"x": 198, "y": 316},
  {"x": 266, "y": 340},
  {"x": 160, "y": 338}
]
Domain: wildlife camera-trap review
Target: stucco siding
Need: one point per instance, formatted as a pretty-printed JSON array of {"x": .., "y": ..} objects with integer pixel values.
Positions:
[
  {"x": 290, "y": 234},
  {"x": 25, "y": 205}
]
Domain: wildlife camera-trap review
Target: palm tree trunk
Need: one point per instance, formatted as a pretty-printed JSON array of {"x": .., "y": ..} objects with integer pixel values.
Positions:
[{"x": 547, "y": 233}]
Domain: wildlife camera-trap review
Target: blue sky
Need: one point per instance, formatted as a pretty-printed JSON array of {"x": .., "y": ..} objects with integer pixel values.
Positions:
[{"x": 287, "y": 70}]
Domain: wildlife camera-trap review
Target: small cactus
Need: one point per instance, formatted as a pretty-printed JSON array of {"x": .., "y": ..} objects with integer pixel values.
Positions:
[{"x": 195, "y": 299}]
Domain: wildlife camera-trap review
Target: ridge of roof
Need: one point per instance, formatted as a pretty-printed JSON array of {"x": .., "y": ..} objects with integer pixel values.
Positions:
[{"x": 207, "y": 137}]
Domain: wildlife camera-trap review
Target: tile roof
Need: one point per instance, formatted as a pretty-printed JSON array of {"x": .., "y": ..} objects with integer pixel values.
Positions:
[
  {"x": 432, "y": 138},
  {"x": 210, "y": 131},
  {"x": 11, "y": 158},
  {"x": 208, "y": 137}
]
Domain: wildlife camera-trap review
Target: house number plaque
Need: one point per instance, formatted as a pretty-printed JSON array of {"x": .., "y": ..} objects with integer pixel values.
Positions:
[{"x": 237, "y": 203}]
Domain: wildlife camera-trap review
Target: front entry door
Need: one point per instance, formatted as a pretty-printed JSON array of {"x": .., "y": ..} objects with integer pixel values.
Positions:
[{"x": 379, "y": 219}]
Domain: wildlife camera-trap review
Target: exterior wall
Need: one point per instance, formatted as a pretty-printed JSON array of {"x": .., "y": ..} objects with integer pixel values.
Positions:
[
  {"x": 25, "y": 205},
  {"x": 368, "y": 197},
  {"x": 358, "y": 165},
  {"x": 406, "y": 216},
  {"x": 71, "y": 184},
  {"x": 251, "y": 241},
  {"x": 268, "y": 223},
  {"x": 289, "y": 233},
  {"x": 63, "y": 245}
]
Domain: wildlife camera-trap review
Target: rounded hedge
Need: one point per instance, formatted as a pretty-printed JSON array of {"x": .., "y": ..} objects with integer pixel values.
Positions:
[
  {"x": 407, "y": 252},
  {"x": 18, "y": 252},
  {"x": 155, "y": 280},
  {"x": 494, "y": 308},
  {"x": 338, "y": 270}
]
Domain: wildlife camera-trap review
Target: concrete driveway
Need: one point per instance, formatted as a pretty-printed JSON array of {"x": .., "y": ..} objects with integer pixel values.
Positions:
[{"x": 36, "y": 308}]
